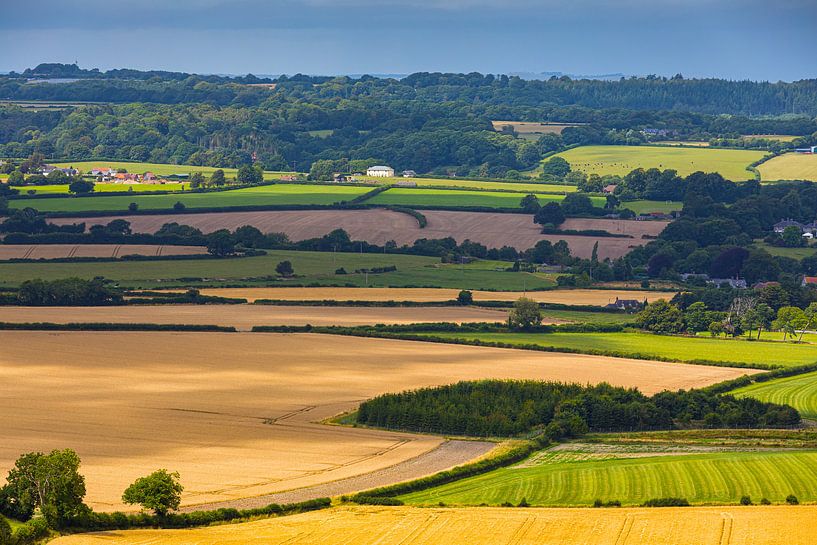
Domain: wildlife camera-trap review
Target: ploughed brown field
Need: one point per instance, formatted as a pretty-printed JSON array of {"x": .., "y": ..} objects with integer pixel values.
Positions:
[
  {"x": 236, "y": 413},
  {"x": 244, "y": 317},
  {"x": 426, "y": 295},
  {"x": 55, "y": 251},
  {"x": 494, "y": 230},
  {"x": 760, "y": 525}
]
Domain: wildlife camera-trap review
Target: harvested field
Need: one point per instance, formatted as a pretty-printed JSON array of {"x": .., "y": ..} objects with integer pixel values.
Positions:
[
  {"x": 244, "y": 317},
  {"x": 617, "y": 227},
  {"x": 533, "y": 128},
  {"x": 761, "y": 525},
  {"x": 563, "y": 297},
  {"x": 55, "y": 251},
  {"x": 494, "y": 230},
  {"x": 374, "y": 226},
  {"x": 789, "y": 166},
  {"x": 235, "y": 413}
]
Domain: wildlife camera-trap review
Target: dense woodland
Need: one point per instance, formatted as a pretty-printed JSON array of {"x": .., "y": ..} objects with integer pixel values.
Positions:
[
  {"x": 437, "y": 123},
  {"x": 512, "y": 408}
]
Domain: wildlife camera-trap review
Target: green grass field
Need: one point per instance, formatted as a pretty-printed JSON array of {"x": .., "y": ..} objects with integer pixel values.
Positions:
[
  {"x": 789, "y": 166},
  {"x": 799, "y": 391},
  {"x": 311, "y": 268},
  {"x": 588, "y": 317},
  {"x": 531, "y": 187},
  {"x": 460, "y": 198},
  {"x": 105, "y": 187},
  {"x": 278, "y": 194},
  {"x": 160, "y": 169},
  {"x": 794, "y": 253},
  {"x": 623, "y": 159},
  {"x": 574, "y": 479},
  {"x": 645, "y": 207},
  {"x": 646, "y": 346}
]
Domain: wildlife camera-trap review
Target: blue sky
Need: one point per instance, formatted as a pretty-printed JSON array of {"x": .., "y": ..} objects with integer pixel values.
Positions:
[{"x": 737, "y": 39}]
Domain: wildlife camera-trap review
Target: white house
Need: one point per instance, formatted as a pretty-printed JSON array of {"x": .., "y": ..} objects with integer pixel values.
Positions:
[{"x": 380, "y": 172}]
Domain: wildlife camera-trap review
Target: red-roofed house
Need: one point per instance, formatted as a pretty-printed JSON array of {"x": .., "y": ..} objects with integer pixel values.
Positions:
[{"x": 809, "y": 281}]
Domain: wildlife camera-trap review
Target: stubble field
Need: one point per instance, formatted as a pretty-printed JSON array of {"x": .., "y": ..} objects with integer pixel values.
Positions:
[
  {"x": 244, "y": 317},
  {"x": 426, "y": 295},
  {"x": 56, "y": 251},
  {"x": 789, "y": 166},
  {"x": 497, "y": 526},
  {"x": 236, "y": 414}
]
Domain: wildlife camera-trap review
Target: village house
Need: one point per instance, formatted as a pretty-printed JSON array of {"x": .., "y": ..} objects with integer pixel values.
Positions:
[
  {"x": 409, "y": 174},
  {"x": 810, "y": 281},
  {"x": 380, "y": 171},
  {"x": 609, "y": 189},
  {"x": 627, "y": 304},
  {"x": 809, "y": 228}
]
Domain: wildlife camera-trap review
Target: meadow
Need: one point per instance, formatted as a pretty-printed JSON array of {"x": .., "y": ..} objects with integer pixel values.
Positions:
[
  {"x": 799, "y": 391},
  {"x": 236, "y": 413},
  {"x": 532, "y": 187},
  {"x": 160, "y": 169},
  {"x": 311, "y": 268},
  {"x": 789, "y": 166},
  {"x": 731, "y": 164},
  {"x": 267, "y": 195},
  {"x": 105, "y": 187},
  {"x": 366, "y": 525},
  {"x": 452, "y": 198},
  {"x": 647, "y": 345},
  {"x": 645, "y": 207},
  {"x": 577, "y": 479}
]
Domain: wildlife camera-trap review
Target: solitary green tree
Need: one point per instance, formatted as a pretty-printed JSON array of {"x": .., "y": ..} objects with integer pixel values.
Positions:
[
  {"x": 284, "y": 268},
  {"x": 160, "y": 491},
  {"x": 197, "y": 180},
  {"x": 51, "y": 482},
  {"x": 220, "y": 243},
  {"x": 217, "y": 178},
  {"x": 789, "y": 320},
  {"x": 530, "y": 204},
  {"x": 465, "y": 297},
  {"x": 555, "y": 166},
  {"x": 81, "y": 186},
  {"x": 525, "y": 314}
]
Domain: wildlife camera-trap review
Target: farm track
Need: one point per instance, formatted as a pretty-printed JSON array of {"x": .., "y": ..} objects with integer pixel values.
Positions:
[
  {"x": 378, "y": 226},
  {"x": 447, "y": 455},
  {"x": 361, "y": 525}
]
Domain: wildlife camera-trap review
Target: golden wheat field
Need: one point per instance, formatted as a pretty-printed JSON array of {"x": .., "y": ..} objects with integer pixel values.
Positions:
[
  {"x": 789, "y": 525},
  {"x": 244, "y": 317},
  {"x": 54, "y": 251},
  {"x": 236, "y": 413},
  {"x": 426, "y": 295}
]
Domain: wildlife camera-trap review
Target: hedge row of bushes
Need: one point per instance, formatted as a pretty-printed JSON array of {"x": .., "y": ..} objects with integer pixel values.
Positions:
[
  {"x": 509, "y": 457},
  {"x": 746, "y": 380},
  {"x": 366, "y": 196},
  {"x": 104, "y": 326},
  {"x": 104, "y": 238},
  {"x": 134, "y": 257},
  {"x": 206, "y": 210},
  {"x": 422, "y": 221},
  {"x": 122, "y": 521},
  {"x": 599, "y": 233}
]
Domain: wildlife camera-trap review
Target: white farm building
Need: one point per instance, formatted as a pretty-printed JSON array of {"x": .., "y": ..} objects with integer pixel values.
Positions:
[{"x": 380, "y": 172}]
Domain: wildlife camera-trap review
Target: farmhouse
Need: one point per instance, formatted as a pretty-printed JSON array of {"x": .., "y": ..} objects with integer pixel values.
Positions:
[
  {"x": 807, "y": 228},
  {"x": 343, "y": 178},
  {"x": 610, "y": 189},
  {"x": 409, "y": 174},
  {"x": 627, "y": 304},
  {"x": 380, "y": 171},
  {"x": 810, "y": 281}
]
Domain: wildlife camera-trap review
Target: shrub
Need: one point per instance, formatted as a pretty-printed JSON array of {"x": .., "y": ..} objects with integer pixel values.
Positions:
[
  {"x": 375, "y": 500},
  {"x": 160, "y": 491},
  {"x": 284, "y": 268},
  {"x": 341, "y": 270},
  {"x": 179, "y": 206},
  {"x": 465, "y": 297},
  {"x": 611, "y": 503},
  {"x": 133, "y": 207},
  {"x": 765, "y": 501},
  {"x": 745, "y": 500},
  {"x": 666, "y": 502},
  {"x": 523, "y": 503},
  {"x": 791, "y": 499}
]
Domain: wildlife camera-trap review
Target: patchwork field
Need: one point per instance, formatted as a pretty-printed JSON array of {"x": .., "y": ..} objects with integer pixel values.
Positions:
[
  {"x": 244, "y": 426},
  {"x": 790, "y": 166},
  {"x": 244, "y": 317},
  {"x": 497, "y": 526},
  {"x": 531, "y": 187},
  {"x": 526, "y": 128},
  {"x": 799, "y": 391},
  {"x": 104, "y": 187},
  {"x": 278, "y": 194},
  {"x": 494, "y": 230},
  {"x": 160, "y": 169},
  {"x": 647, "y": 345},
  {"x": 563, "y": 478},
  {"x": 54, "y": 251},
  {"x": 564, "y": 297},
  {"x": 454, "y": 198},
  {"x": 311, "y": 268},
  {"x": 731, "y": 164}
]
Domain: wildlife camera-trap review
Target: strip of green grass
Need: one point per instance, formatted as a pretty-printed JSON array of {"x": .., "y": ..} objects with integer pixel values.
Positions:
[
  {"x": 646, "y": 207},
  {"x": 160, "y": 169},
  {"x": 105, "y": 187},
  {"x": 721, "y": 477},
  {"x": 312, "y": 268},
  {"x": 454, "y": 198},
  {"x": 646, "y": 345},
  {"x": 268, "y": 195},
  {"x": 532, "y": 187},
  {"x": 799, "y": 391}
]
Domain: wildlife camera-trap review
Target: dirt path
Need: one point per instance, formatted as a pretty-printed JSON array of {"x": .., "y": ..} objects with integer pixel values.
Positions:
[{"x": 447, "y": 455}]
